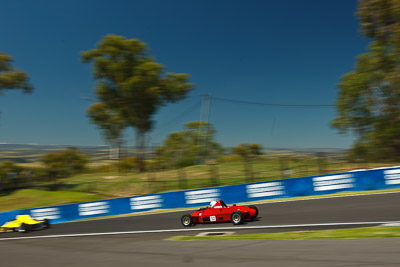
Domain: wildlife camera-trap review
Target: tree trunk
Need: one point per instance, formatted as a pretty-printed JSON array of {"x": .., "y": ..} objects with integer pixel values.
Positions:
[{"x": 140, "y": 145}]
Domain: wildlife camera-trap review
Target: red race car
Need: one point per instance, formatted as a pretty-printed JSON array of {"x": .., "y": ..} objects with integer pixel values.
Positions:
[{"x": 220, "y": 212}]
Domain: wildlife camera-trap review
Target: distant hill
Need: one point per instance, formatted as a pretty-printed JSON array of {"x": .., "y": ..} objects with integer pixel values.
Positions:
[
  {"x": 306, "y": 151},
  {"x": 26, "y": 153},
  {"x": 21, "y": 153}
]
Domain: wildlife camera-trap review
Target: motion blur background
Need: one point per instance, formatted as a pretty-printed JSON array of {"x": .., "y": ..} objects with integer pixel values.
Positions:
[{"x": 135, "y": 97}]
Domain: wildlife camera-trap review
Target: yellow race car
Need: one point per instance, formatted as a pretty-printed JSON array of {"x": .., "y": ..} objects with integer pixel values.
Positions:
[{"x": 23, "y": 224}]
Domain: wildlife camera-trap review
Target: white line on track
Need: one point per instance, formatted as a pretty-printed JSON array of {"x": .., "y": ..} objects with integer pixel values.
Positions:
[{"x": 199, "y": 229}]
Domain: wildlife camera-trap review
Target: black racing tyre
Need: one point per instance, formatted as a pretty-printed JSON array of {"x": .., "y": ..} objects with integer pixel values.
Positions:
[
  {"x": 23, "y": 228},
  {"x": 46, "y": 223},
  {"x": 254, "y": 207},
  {"x": 237, "y": 217},
  {"x": 187, "y": 220}
]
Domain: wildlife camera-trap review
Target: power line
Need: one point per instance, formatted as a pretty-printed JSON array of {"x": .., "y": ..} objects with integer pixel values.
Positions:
[
  {"x": 180, "y": 116},
  {"x": 272, "y": 105}
]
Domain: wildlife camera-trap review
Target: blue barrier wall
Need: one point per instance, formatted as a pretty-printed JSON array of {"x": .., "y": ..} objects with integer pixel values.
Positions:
[{"x": 375, "y": 179}]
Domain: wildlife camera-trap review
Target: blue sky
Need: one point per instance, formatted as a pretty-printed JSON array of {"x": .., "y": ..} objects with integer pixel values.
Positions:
[{"x": 280, "y": 52}]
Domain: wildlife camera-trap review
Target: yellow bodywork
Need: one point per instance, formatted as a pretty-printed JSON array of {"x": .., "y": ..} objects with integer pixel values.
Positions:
[{"x": 13, "y": 225}]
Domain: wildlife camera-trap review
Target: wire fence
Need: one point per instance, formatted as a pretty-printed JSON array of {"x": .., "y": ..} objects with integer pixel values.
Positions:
[{"x": 203, "y": 176}]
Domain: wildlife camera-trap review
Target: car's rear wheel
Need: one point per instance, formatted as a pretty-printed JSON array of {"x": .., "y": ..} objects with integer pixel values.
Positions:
[
  {"x": 237, "y": 217},
  {"x": 187, "y": 220},
  {"x": 46, "y": 223},
  {"x": 255, "y": 208},
  {"x": 23, "y": 228}
]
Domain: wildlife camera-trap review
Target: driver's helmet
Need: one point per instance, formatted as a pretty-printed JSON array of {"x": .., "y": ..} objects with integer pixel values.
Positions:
[{"x": 212, "y": 203}]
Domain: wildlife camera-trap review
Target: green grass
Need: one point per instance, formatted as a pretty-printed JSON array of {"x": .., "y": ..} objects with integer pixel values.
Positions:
[
  {"x": 32, "y": 198},
  {"x": 364, "y": 232}
]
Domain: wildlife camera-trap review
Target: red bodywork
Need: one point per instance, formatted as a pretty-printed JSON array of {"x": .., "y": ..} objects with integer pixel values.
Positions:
[{"x": 222, "y": 213}]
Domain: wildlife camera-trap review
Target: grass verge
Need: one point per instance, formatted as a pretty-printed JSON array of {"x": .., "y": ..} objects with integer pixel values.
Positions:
[
  {"x": 364, "y": 232},
  {"x": 33, "y": 198}
]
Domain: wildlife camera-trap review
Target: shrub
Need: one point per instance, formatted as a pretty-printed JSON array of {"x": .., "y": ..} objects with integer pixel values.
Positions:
[
  {"x": 185, "y": 162},
  {"x": 64, "y": 163},
  {"x": 127, "y": 164}
]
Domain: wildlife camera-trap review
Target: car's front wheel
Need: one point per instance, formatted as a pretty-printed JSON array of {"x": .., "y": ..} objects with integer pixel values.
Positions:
[
  {"x": 254, "y": 208},
  {"x": 237, "y": 217},
  {"x": 187, "y": 220}
]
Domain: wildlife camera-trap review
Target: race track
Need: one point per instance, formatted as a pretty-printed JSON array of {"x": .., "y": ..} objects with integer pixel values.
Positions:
[{"x": 136, "y": 233}]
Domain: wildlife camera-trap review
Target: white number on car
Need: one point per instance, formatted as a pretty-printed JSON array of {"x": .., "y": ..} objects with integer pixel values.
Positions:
[{"x": 213, "y": 219}]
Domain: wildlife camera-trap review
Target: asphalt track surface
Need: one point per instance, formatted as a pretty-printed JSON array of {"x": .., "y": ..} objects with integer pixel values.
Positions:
[{"x": 140, "y": 239}]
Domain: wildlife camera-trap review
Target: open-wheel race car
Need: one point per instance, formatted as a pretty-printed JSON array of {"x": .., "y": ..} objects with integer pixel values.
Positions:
[
  {"x": 220, "y": 212},
  {"x": 23, "y": 224}
]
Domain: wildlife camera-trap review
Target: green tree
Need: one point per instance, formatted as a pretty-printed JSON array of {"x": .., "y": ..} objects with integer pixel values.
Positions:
[
  {"x": 8, "y": 166},
  {"x": 110, "y": 123},
  {"x": 7, "y": 170},
  {"x": 127, "y": 164},
  {"x": 132, "y": 84},
  {"x": 368, "y": 103},
  {"x": 247, "y": 151},
  {"x": 11, "y": 78},
  {"x": 186, "y": 147},
  {"x": 64, "y": 163}
]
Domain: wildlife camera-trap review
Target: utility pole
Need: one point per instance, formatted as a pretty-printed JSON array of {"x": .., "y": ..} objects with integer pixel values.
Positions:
[{"x": 203, "y": 131}]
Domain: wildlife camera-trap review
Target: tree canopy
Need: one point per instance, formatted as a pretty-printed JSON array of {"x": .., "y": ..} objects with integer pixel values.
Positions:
[
  {"x": 64, "y": 163},
  {"x": 131, "y": 84},
  {"x": 368, "y": 103},
  {"x": 186, "y": 147},
  {"x": 247, "y": 151},
  {"x": 11, "y": 78}
]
